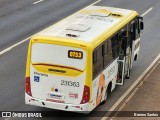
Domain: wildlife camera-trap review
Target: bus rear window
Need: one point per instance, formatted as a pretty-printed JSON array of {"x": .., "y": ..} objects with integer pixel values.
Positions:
[{"x": 58, "y": 55}]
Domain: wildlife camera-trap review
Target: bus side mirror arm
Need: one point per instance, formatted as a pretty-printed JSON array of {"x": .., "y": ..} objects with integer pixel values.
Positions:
[{"x": 140, "y": 18}]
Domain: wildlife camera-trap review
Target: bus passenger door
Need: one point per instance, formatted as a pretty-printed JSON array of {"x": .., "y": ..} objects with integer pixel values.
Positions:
[{"x": 124, "y": 58}]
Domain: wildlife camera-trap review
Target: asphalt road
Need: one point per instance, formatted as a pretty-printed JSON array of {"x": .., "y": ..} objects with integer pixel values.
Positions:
[{"x": 20, "y": 18}]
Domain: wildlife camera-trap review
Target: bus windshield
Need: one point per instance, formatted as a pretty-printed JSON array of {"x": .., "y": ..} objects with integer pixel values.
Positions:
[{"x": 51, "y": 54}]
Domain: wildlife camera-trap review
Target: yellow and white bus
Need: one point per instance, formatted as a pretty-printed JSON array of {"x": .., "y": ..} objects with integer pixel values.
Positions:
[{"x": 76, "y": 63}]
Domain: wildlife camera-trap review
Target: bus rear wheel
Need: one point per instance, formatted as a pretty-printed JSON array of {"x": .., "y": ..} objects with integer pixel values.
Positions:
[
  {"x": 107, "y": 94},
  {"x": 105, "y": 97}
]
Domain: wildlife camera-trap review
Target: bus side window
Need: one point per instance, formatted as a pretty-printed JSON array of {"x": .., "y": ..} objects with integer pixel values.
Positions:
[
  {"x": 94, "y": 56},
  {"x": 97, "y": 61},
  {"x": 115, "y": 46},
  {"x": 108, "y": 54}
]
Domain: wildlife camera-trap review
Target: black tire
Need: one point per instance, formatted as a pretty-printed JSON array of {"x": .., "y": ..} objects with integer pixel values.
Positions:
[
  {"x": 135, "y": 58},
  {"x": 107, "y": 93}
]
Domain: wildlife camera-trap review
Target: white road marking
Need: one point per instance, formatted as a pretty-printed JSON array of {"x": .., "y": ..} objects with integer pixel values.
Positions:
[
  {"x": 15, "y": 45},
  {"x": 95, "y": 2},
  {"x": 147, "y": 12},
  {"x": 39, "y": 1},
  {"x": 137, "y": 81}
]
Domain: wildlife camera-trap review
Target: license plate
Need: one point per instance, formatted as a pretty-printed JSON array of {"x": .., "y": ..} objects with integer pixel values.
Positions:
[{"x": 53, "y": 96}]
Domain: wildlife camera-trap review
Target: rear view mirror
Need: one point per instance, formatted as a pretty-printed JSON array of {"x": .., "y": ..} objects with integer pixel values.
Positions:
[{"x": 141, "y": 25}]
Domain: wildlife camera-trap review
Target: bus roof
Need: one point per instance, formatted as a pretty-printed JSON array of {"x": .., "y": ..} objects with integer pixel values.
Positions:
[{"x": 89, "y": 24}]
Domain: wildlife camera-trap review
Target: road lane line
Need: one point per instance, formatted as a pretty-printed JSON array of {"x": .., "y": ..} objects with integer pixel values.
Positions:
[
  {"x": 147, "y": 12},
  {"x": 39, "y": 1},
  {"x": 95, "y": 2},
  {"x": 15, "y": 45},
  {"x": 132, "y": 86}
]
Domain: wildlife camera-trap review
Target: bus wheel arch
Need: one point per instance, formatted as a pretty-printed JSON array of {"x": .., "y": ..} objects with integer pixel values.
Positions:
[{"x": 107, "y": 92}]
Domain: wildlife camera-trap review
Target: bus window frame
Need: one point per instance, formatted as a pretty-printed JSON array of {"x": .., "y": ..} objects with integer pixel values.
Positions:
[
  {"x": 119, "y": 33},
  {"x": 99, "y": 61},
  {"x": 103, "y": 53}
]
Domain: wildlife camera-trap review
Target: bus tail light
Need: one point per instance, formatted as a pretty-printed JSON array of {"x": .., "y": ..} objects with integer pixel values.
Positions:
[
  {"x": 86, "y": 95},
  {"x": 28, "y": 86}
]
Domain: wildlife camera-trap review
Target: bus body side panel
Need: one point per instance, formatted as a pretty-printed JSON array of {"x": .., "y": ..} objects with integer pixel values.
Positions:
[{"x": 100, "y": 83}]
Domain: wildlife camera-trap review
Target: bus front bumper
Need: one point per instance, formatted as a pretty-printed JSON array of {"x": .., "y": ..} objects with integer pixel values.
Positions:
[{"x": 82, "y": 108}]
